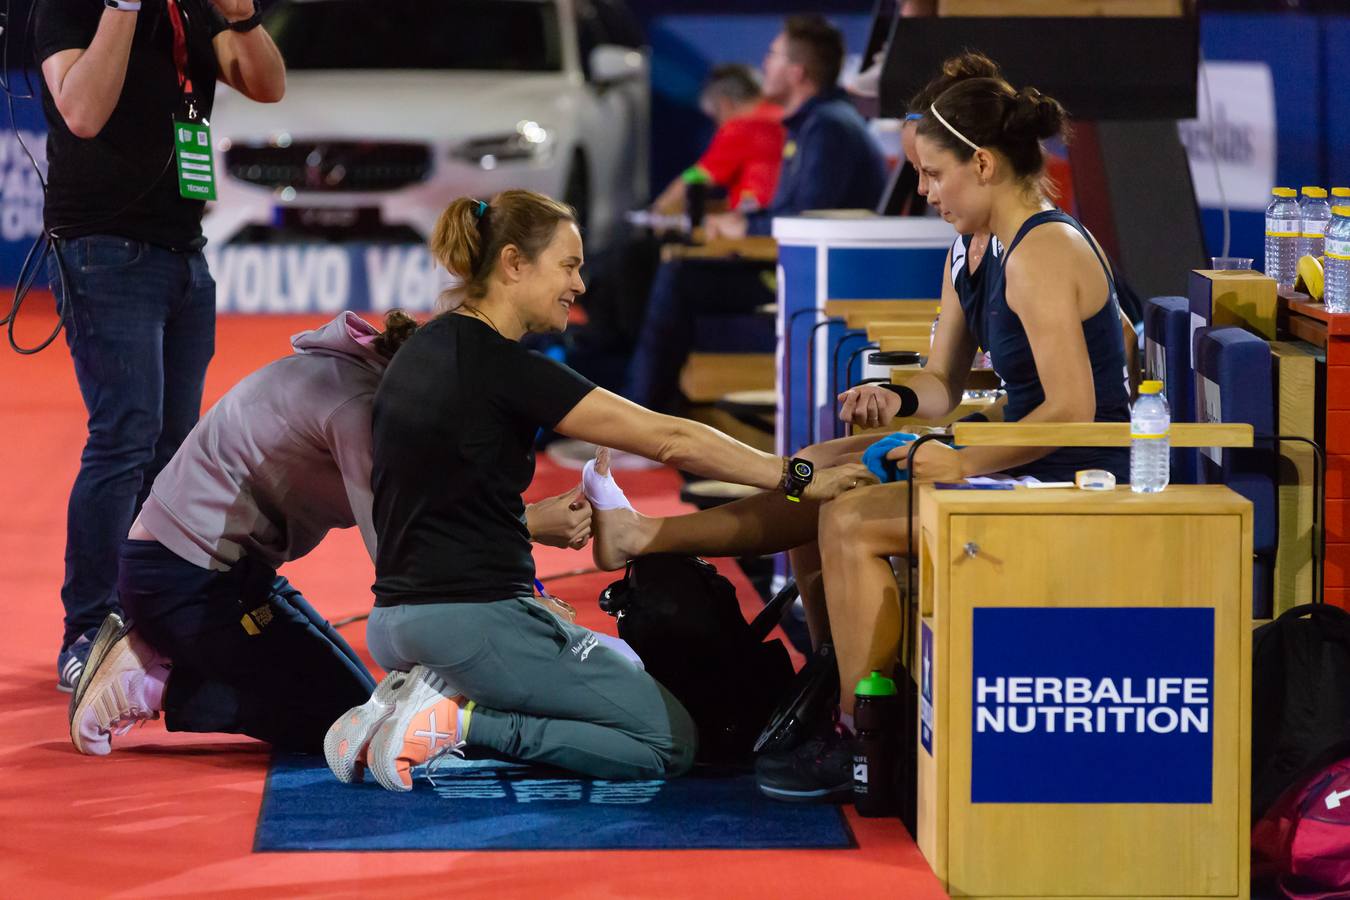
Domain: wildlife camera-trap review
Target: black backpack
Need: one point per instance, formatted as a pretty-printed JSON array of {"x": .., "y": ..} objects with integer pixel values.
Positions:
[
  {"x": 683, "y": 619},
  {"x": 1300, "y": 697}
]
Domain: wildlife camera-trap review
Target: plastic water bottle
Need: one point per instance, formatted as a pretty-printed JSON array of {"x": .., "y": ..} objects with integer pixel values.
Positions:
[
  {"x": 1336, "y": 265},
  {"x": 876, "y": 713},
  {"x": 1282, "y": 232},
  {"x": 1150, "y": 449},
  {"x": 1314, "y": 214}
]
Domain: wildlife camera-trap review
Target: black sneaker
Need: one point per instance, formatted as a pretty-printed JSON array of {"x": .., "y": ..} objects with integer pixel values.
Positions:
[
  {"x": 818, "y": 771},
  {"x": 71, "y": 660}
]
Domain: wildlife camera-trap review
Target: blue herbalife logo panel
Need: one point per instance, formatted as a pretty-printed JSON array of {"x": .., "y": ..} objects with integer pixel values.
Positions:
[{"x": 1092, "y": 705}]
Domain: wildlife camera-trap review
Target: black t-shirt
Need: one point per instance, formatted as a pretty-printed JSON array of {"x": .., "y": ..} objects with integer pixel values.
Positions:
[
  {"x": 124, "y": 180},
  {"x": 455, "y": 420}
]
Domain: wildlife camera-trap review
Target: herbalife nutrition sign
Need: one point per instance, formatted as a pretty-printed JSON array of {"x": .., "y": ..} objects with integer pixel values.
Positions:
[
  {"x": 1092, "y": 705},
  {"x": 1023, "y": 705}
]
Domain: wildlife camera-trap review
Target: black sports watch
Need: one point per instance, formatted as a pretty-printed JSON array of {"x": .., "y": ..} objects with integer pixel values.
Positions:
[{"x": 797, "y": 477}]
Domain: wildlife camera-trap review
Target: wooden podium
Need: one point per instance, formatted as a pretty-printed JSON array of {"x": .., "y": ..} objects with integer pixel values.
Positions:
[{"x": 1084, "y": 662}]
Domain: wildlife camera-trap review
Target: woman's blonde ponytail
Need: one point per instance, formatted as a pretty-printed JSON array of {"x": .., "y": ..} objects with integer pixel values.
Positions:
[{"x": 456, "y": 242}]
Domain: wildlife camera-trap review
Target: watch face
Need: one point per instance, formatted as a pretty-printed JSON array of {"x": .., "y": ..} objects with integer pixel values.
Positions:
[{"x": 801, "y": 468}]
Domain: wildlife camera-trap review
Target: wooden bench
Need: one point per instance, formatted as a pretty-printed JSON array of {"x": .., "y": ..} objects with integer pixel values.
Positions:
[{"x": 708, "y": 377}]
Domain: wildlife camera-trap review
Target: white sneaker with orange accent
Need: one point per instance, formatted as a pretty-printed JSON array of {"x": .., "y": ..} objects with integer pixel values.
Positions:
[
  {"x": 425, "y": 724},
  {"x": 347, "y": 740}
]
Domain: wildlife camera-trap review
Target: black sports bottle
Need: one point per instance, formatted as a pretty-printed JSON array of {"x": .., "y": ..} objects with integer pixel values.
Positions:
[{"x": 876, "y": 714}]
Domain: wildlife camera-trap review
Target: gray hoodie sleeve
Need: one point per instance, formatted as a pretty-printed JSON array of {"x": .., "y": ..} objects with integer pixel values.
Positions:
[{"x": 348, "y": 431}]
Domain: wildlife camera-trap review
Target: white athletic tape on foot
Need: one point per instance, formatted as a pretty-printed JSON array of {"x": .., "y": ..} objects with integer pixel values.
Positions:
[{"x": 602, "y": 490}]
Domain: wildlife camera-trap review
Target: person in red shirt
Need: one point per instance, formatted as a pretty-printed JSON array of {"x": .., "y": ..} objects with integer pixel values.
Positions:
[{"x": 746, "y": 150}]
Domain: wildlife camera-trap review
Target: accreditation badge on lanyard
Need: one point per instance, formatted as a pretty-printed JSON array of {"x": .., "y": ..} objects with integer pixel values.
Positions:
[{"x": 191, "y": 132}]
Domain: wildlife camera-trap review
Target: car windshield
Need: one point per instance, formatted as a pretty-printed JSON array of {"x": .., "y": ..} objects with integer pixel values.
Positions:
[{"x": 499, "y": 35}]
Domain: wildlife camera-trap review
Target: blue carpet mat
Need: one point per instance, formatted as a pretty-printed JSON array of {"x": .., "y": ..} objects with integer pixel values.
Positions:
[{"x": 493, "y": 805}]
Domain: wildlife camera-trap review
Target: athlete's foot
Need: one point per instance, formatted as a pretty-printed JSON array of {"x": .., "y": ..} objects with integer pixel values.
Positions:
[{"x": 618, "y": 532}]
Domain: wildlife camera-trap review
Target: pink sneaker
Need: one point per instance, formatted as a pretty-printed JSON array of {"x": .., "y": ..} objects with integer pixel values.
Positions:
[
  {"x": 425, "y": 724},
  {"x": 345, "y": 744},
  {"x": 122, "y": 685}
]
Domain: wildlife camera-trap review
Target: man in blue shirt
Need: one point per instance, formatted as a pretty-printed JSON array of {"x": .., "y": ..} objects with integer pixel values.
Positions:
[{"x": 829, "y": 162}]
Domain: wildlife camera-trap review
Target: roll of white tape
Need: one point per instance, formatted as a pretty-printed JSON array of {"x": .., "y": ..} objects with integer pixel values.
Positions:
[{"x": 1094, "y": 480}]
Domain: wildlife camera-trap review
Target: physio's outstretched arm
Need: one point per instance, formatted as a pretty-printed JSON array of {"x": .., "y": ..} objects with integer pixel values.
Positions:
[{"x": 609, "y": 420}]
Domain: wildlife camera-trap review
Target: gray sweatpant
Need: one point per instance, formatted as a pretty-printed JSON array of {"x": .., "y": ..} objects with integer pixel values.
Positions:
[{"x": 545, "y": 689}]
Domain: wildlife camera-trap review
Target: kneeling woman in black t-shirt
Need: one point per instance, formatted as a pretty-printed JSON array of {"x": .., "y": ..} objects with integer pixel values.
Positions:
[{"x": 455, "y": 420}]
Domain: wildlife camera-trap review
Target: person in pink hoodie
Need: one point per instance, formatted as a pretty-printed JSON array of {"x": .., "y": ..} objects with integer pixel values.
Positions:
[{"x": 214, "y": 639}]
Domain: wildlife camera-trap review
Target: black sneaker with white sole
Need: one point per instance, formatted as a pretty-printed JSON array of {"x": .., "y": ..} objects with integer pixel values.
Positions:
[{"x": 817, "y": 771}]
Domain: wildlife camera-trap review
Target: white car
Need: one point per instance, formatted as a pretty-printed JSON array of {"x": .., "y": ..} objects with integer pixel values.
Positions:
[{"x": 395, "y": 107}]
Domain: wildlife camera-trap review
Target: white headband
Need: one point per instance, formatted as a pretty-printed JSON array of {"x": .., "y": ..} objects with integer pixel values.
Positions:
[{"x": 937, "y": 115}]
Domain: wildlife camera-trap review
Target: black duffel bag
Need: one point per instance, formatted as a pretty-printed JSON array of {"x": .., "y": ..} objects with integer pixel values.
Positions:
[{"x": 684, "y": 620}]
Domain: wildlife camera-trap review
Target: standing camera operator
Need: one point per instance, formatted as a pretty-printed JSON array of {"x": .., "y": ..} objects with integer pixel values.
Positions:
[{"x": 128, "y": 87}]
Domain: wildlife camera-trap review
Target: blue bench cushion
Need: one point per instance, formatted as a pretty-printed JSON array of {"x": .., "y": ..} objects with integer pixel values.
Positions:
[{"x": 1233, "y": 384}]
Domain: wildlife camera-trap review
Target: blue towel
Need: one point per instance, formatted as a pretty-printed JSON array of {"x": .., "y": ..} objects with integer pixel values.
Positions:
[{"x": 888, "y": 470}]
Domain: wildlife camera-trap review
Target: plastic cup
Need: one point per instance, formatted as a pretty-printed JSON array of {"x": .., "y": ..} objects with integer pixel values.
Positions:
[{"x": 1230, "y": 262}]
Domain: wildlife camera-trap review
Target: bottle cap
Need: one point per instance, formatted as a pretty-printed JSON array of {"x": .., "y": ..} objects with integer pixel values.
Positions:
[
  {"x": 1340, "y": 192},
  {"x": 1150, "y": 387},
  {"x": 876, "y": 685},
  {"x": 1341, "y": 211},
  {"x": 1284, "y": 192},
  {"x": 1315, "y": 192}
]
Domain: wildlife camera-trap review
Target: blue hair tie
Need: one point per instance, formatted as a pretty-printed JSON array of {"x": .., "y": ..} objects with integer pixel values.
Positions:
[
  {"x": 913, "y": 117},
  {"x": 481, "y": 210}
]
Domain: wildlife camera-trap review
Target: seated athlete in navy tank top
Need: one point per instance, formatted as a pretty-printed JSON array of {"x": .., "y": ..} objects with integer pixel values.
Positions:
[
  {"x": 1001, "y": 332},
  {"x": 979, "y": 146}
]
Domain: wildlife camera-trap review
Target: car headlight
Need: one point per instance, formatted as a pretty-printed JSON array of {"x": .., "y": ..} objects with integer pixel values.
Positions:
[{"x": 529, "y": 142}]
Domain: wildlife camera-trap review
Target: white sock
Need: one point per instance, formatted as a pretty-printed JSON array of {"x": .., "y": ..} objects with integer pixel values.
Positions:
[{"x": 602, "y": 490}]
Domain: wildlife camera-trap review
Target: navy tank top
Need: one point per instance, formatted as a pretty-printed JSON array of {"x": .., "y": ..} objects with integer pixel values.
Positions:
[
  {"x": 969, "y": 285},
  {"x": 1000, "y": 331}
]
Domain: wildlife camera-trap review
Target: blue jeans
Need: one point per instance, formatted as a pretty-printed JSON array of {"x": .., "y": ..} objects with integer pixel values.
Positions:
[
  {"x": 141, "y": 326},
  {"x": 284, "y": 682}
]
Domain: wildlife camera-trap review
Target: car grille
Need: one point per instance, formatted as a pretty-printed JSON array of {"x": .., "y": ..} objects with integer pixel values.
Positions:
[{"x": 331, "y": 165}]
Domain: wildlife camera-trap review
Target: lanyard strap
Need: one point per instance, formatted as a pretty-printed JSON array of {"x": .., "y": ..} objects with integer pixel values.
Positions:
[{"x": 180, "y": 50}]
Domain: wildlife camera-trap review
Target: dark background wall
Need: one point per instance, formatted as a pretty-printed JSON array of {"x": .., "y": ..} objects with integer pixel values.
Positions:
[{"x": 1303, "y": 42}]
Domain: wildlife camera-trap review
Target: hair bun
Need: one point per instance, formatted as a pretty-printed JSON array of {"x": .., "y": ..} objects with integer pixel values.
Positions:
[
  {"x": 970, "y": 64},
  {"x": 398, "y": 327},
  {"x": 1034, "y": 115},
  {"x": 964, "y": 67}
]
